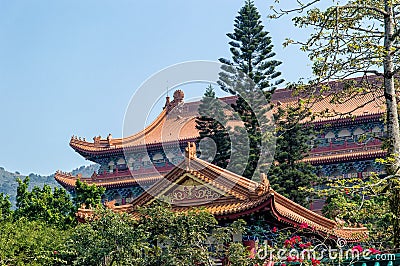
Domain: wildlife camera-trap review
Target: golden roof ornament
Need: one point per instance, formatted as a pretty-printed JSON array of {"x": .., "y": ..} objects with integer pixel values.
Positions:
[
  {"x": 179, "y": 95},
  {"x": 263, "y": 186},
  {"x": 190, "y": 151}
]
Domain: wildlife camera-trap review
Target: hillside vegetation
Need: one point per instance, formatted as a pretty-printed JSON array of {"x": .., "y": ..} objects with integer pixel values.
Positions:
[{"x": 8, "y": 183}]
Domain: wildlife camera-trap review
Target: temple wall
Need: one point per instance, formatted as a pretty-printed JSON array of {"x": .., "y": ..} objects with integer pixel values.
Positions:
[{"x": 335, "y": 140}]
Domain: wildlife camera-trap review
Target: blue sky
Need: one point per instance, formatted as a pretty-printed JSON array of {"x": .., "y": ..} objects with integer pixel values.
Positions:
[{"x": 70, "y": 67}]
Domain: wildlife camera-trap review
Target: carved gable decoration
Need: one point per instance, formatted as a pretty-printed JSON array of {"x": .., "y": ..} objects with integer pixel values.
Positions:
[{"x": 191, "y": 191}]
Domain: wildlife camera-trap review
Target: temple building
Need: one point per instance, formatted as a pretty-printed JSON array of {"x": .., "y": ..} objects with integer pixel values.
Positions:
[
  {"x": 345, "y": 146},
  {"x": 228, "y": 196}
]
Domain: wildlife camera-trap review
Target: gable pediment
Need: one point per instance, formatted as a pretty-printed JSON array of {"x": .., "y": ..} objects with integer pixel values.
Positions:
[{"x": 189, "y": 190}]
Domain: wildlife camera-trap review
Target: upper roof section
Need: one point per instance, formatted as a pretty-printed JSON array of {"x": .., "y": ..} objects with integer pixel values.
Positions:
[{"x": 176, "y": 122}]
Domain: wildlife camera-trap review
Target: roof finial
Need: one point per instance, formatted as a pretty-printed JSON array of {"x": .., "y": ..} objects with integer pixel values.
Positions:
[
  {"x": 263, "y": 186},
  {"x": 167, "y": 89},
  {"x": 190, "y": 151}
]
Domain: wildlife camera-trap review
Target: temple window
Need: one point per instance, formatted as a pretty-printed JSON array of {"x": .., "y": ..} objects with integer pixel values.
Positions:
[
  {"x": 146, "y": 161},
  {"x": 158, "y": 157},
  {"x": 330, "y": 135},
  {"x": 111, "y": 166},
  {"x": 358, "y": 131},
  {"x": 368, "y": 171},
  {"x": 130, "y": 163},
  {"x": 170, "y": 156},
  {"x": 336, "y": 174},
  {"x": 118, "y": 199},
  {"x": 121, "y": 164},
  {"x": 377, "y": 131},
  {"x": 344, "y": 133},
  {"x": 352, "y": 173}
]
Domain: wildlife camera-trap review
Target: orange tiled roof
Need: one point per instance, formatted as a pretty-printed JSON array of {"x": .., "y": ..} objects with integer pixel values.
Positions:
[
  {"x": 122, "y": 179},
  {"x": 239, "y": 196},
  {"x": 345, "y": 157},
  {"x": 170, "y": 126}
]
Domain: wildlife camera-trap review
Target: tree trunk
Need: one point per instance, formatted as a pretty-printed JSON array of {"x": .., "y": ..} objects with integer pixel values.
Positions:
[
  {"x": 392, "y": 121},
  {"x": 389, "y": 90}
]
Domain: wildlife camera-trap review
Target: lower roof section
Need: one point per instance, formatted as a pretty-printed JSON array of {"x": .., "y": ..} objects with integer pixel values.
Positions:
[
  {"x": 114, "y": 180},
  {"x": 228, "y": 196}
]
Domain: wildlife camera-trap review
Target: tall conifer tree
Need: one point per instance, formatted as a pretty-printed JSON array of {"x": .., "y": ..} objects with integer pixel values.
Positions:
[
  {"x": 289, "y": 175},
  {"x": 210, "y": 124},
  {"x": 252, "y": 53}
]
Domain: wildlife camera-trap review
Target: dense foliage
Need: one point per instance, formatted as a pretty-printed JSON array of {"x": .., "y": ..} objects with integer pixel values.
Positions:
[
  {"x": 357, "y": 38},
  {"x": 358, "y": 201},
  {"x": 27, "y": 242},
  {"x": 289, "y": 175},
  {"x": 252, "y": 53},
  {"x": 212, "y": 125},
  {"x": 157, "y": 236},
  {"x": 43, "y": 231},
  {"x": 5, "y": 207},
  {"x": 87, "y": 195},
  {"x": 53, "y": 207}
]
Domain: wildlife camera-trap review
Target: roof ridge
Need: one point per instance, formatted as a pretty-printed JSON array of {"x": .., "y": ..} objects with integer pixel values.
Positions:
[
  {"x": 295, "y": 207},
  {"x": 225, "y": 171},
  {"x": 147, "y": 129}
]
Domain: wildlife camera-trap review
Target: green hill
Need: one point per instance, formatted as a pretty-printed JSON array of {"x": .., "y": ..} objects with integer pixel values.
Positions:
[{"x": 8, "y": 183}]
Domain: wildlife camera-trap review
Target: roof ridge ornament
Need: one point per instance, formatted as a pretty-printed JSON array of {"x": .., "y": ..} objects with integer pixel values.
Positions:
[
  {"x": 96, "y": 140},
  {"x": 179, "y": 95},
  {"x": 264, "y": 185},
  {"x": 110, "y": 204},
  {"x": 190, "y": 153}
]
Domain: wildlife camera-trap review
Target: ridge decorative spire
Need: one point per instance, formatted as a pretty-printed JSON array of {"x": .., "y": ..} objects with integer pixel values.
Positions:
[{"x": 178, "y": 99}]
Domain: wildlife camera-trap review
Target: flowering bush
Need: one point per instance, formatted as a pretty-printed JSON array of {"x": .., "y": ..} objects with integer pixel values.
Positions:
[{"x": 302, "y": 245}]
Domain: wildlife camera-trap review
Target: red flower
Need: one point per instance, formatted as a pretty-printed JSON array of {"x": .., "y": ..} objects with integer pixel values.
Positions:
[
  {"x": 294, "y": 258},
  {"x": 315, "y": 262},
  {"x": 283, "y": 264},
  {"x": 374, "y": 251},
  {"x": 274, "y": 229},
  {"x": 303, "y": 225},
  {"x": 357, "y": 248},
  {"x": 290, "y": 258},
  {"x": 295, "y": 239},
  {"x": 55, "y": 252},
  {"x": 288, "y": 243}
]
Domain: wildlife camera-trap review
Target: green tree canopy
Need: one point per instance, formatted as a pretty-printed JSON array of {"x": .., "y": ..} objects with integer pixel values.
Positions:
[
  {"x": 289, "y": 175},
  {"x": 54, "y": 207},
  {"x": 357, "y": 38},
  {"x": 213, "y": 130},
  {"x": 5, "y": 207},
  {"x": 89, "y": 195},
  {"x": 158, "y": 236},
  {"x": 26, "y": 242},
  {"x": 252, "y": 53}
]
